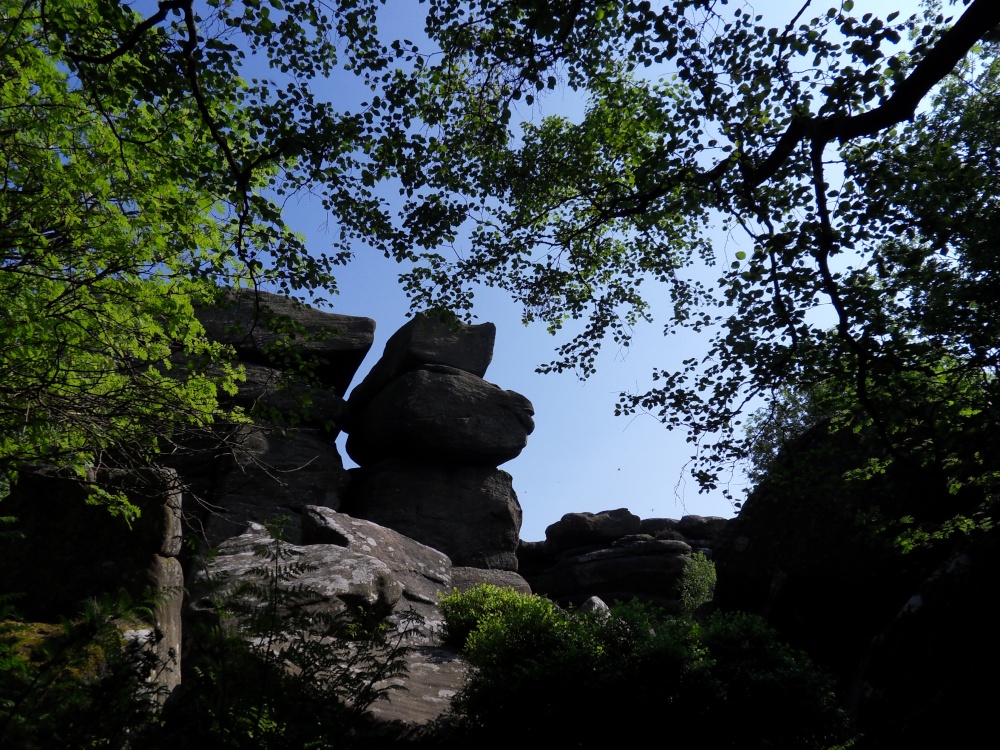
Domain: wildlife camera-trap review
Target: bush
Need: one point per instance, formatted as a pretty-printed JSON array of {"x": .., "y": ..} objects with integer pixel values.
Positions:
[
  {"x": 538, "y": 671},
  {"x": 765, "y": 686},
  {"x": 464, "y": 612},
  {"x": 697, "y": 583}
]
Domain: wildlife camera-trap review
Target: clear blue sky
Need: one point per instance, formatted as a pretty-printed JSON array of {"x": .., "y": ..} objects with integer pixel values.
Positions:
[{"x": 580, "y": 457}]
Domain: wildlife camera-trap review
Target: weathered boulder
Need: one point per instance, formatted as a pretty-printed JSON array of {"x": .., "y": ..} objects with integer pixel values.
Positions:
[
  {"x": 469, "y": 513},
  {"x": 654, "y": 526},
  {"x": 616, "y": 556},
  {"x": 703, "y": 530},
  {"x": 464, "y": 578},
  {"x": 444, "y": 415},
  {"x": 355, "y": 563},
  {"x": 594, "y": 606},
  {"x": 263, "y": 327},
  {"x": 339, "y": 577},
  {"x": 427, "y": 339},
  {"x": 423, "y": 572},
  {"x": 577, "y": 530}
]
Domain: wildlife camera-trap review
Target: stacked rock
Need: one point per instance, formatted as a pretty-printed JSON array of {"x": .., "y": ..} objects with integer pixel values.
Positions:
[
  {"x": 286, "y": 458},
  {"x": 428, "y": 433}
]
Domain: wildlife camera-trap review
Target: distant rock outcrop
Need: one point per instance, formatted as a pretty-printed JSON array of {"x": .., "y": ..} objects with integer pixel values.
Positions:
[{"x": 611, "y": 556}]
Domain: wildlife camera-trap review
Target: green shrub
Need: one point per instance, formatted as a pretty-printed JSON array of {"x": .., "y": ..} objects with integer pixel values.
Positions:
[
  {"x": 538, "y": 671},
  {"x": 464, "y": 612},
  {"x": 697, "y": 583}
]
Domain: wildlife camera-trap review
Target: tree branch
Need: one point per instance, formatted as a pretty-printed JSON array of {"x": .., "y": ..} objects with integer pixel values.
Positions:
[
  {"x": 129, "y": 43},
  {"x": 978, "y": 21}
]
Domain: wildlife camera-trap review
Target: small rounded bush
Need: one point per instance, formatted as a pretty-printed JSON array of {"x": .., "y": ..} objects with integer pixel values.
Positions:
[{"x": 464, "y": 612}]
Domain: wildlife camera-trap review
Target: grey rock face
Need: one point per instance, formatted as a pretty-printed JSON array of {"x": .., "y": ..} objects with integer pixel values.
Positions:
[
  {"x": 442, "y": 415},
  {"x": 166, "y": 576},
  {"x": 72, "y": 550},
  {"x": 268, "y": 394},
  {"x": 422, "y": 571},
  {"x": 435, "y": 675},
  {"x": 253, "y": 323},
  {"x": 339, "y": 576},
  {"x": 273, "y": 473},
  {"x": 427, "y": 340},
  {"x": 469, "y": 513}
]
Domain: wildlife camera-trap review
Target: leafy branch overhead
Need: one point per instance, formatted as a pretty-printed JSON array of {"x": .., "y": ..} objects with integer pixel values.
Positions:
[
  {"x": 699, "y": 114},
  {"x": 142, "y": 173}
]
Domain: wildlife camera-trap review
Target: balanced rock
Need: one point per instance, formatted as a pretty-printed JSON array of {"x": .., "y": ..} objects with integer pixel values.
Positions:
[
  {"x": 427, "y": 339},
  {"x": 444, "y": 415}
]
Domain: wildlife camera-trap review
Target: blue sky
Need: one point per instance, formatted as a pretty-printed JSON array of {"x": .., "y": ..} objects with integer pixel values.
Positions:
[{"x": 580, "y": 457}]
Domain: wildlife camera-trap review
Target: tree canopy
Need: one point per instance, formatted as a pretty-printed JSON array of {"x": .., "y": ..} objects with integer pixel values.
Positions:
[
  {"x": 148, "y": 158},
  {"x": 861, "y": 173}
]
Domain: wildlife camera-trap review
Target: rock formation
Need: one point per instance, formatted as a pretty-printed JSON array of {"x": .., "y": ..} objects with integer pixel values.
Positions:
[
  {"x": 264, "y": 328},
  {"x": 428, "y": 433},
  {"x": 428, "y": 509},
  {"x": 285, "y": 459}
]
